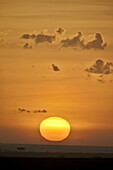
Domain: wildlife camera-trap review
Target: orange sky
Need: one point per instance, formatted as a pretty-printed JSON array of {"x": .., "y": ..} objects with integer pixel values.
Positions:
[{"x": 27, "y": 78}]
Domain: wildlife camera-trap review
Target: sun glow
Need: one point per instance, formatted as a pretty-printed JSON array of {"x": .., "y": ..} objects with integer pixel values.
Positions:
[{"x": 54, "y": 129}]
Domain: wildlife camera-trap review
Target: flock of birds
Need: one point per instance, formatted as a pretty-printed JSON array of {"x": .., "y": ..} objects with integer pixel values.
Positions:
[{"x": 34, "y": 111}]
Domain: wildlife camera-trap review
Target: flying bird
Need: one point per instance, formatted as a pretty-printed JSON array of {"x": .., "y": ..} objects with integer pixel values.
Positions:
[
  {"x": 21, "y": 110},
  {"x": 28, "y": 111},
  {"x": 44, "y": 111},
  {"x": 55, "y": 68}
]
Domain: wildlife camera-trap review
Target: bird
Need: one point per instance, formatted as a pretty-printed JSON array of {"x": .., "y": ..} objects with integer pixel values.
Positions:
[
  {"x": 55, "y": 68},
  {"x": 44, "y": 111},
  {"x": 21, "y": 110}
]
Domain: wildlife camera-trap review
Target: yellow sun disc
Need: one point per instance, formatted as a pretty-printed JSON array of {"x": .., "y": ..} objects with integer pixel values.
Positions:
[{"x": 54, "y": 129}]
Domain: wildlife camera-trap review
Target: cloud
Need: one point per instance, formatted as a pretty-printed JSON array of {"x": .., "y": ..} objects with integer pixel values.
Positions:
[
  {"x": 72, "y": 42},
  {"x": 27, "y": 46},
  {"x": 79, "y": 41},
  {"x": 101, "y": 68},
  {"x": 40, "y": 38},
  {"x": 97, "y": 43},
  {"x": 25, "y": 36},
  {"x": 76, "y": 42},
  {"x": 33, "y": 36},
  {"x": 55, "y": 68},
  {"x": 28, "y": 36},
  {"x": 60, "y": 30}
]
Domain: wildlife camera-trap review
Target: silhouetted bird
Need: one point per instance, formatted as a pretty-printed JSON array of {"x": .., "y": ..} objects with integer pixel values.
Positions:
[
  {"x": 55, "y": 68},
  {"x": 21, "y": 110},
  {"x": 44, "y": 111},
  {"x": 28, "y": 111}
]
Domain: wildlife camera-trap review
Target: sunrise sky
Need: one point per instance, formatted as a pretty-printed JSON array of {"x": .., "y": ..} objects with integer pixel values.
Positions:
[{"x": 56, "y": 59}]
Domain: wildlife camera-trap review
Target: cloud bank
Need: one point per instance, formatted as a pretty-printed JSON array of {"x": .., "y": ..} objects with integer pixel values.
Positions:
[{"x": 77, "y": 41}]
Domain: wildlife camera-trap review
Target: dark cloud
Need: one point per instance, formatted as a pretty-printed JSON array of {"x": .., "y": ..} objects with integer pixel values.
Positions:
[
  {"x": 60, "y": 30},
  {"x": 72, "y": 42},
  {"x": 40, "y": 38},
  {"x": 33, "y": 36},
  {"x": 97, "y": 43},
  {"x": 79, "y": 41},
  {"x": 100, "y": 68},
  {"x": 55, "y": 68},
  {"x": 28, "y": 36},
  {"x": 25, "y": 36},
  {"x": 27, "y": 46}
]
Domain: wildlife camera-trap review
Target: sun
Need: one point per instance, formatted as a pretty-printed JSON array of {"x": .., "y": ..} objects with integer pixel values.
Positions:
[{"x": 55, "y": 129}]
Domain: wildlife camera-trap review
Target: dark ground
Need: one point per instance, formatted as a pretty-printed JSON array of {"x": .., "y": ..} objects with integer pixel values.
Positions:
[{"x": 55, "y": 163}]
